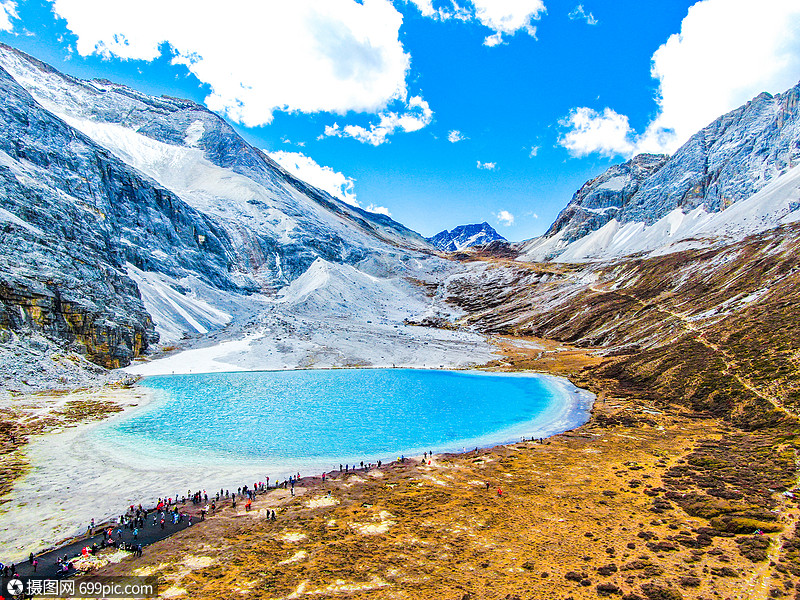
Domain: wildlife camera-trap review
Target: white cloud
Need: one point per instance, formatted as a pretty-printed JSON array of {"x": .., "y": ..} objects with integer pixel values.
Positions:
[
  {"x": 493, "y": 40},
  {"x": 324, "y": 178},
  {"x": 487, "y": 166},
  {"x": 606, "y": 133},
  {"x": 504, "y": 17},
  {"x": 456, "y": 136},
  {"x": 534, "y": 151},
  {"x": 505, "y": 218},
  {"x": 443, "y": 13},
  {"x": 425, "y": 7},
  {"x": 507, "y": 17},
  {"x": 417, "y": 114},
  {"x": 727, "y": 52},
  {"x": 381, "y": 210},
  {"x": 8, "y": 11},
  {"x": 259, "y": 57},
  {"x": 580, "y": 13}
]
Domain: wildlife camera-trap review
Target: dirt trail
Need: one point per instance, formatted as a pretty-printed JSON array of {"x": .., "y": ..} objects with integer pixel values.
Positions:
[
  {"x": 762, "y": 577},
  {"x": 731, "y": 368}
]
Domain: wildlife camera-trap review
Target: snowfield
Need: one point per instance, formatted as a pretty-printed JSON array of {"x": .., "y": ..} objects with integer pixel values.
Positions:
[
  {"x": 778, "y": 203},
  {"x": 332, "y": 316}
]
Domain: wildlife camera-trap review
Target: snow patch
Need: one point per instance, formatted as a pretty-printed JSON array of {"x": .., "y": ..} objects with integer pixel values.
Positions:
[
  {"x": 10, "y": 217},
  {"x": 173, "y": 312},
  {"x": 615, "y": 184},
  {"x": 194, "y": 132},
  {"x": 215, "y": 359}
]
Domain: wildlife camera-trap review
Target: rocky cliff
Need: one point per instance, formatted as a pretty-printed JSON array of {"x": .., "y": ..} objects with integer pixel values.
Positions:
[
  {"x": 115, "y": 205},
  {"x": 652, "y": 201}
]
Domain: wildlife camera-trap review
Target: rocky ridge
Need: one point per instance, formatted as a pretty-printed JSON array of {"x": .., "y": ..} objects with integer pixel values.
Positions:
[
  {"x": 105, "y": 189},
  {"x": 652, "y": 201}
]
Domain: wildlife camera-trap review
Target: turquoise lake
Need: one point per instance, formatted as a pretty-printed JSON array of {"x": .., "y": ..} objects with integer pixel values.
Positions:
[{"x": 323, "y": 417}]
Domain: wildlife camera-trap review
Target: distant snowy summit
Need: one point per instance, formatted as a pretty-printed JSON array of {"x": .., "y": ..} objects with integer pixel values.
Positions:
[
  {"x": 737, "y": 176},
  {"x": 465, "y": 236}
]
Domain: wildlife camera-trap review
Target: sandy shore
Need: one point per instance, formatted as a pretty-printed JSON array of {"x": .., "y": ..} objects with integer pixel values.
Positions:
[{"x": 75, "y": 476}]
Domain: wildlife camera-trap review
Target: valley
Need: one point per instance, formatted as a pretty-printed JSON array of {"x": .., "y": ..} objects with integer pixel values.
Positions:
[{"x": 144, "y": 236}]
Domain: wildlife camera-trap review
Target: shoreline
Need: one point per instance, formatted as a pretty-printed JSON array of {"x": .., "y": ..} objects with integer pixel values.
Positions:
[
  {"x": 78, "y": 460},
  {"x": 574, "y": 405},
  {"x": 607, "y": 501}
]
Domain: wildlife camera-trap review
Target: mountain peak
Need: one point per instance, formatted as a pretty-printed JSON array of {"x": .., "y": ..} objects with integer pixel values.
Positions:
[
  {"x": 465, "y": 236},
  {"x": 654, "y": 201}
]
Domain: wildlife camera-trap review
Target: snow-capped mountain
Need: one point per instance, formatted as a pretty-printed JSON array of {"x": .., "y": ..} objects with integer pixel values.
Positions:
[
  {"x": 125, "y": 217},
  {"x": 465, "y": 236},
  {"x": 658, "y": 203}
]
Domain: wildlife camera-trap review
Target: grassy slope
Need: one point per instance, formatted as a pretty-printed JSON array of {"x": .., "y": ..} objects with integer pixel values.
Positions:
[{"x": 691, "y": 442}]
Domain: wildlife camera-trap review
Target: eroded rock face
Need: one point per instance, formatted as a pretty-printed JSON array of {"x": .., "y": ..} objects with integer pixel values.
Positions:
[
  {"x": 69, "y": 212},
  {"x": 604, "y": 197},
  {"x": 109, "y": 334},
  {"x": 96, "y": 177}
]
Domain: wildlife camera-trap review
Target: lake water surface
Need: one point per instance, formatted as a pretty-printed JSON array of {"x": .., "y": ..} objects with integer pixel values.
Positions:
[
  {"x": 223, "y": 430},
  {"x": 346, "y": 415}
]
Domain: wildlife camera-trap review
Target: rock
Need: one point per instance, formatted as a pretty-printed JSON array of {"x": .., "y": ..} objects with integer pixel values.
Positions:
[
  {"x": 607, "y": 589},
  {"x": 607, "y": 570}
]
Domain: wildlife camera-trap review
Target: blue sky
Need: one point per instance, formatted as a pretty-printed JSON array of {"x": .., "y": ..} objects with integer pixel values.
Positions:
[{"x": 439, "y": 113}]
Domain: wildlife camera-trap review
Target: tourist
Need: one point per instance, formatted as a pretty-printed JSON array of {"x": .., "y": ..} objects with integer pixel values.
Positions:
[
  {"x": 35, "y": 564},
  {"x": 136, "y": 533}
]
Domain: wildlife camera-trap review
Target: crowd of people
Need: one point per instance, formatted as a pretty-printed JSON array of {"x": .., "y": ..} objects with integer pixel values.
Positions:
[{"x": 171, "y": 512}]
